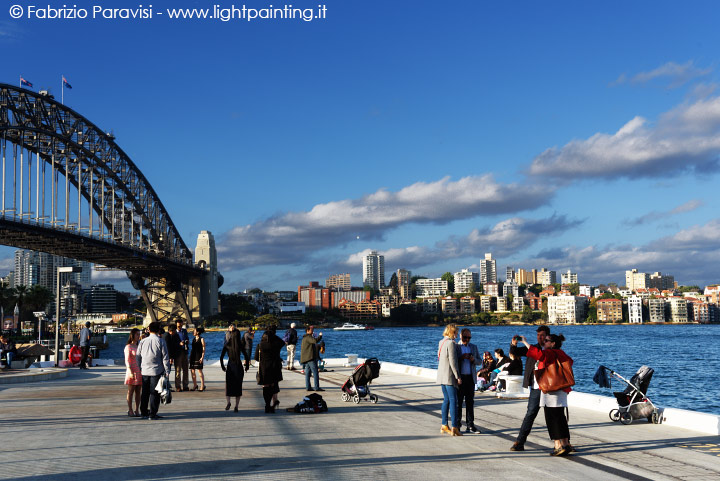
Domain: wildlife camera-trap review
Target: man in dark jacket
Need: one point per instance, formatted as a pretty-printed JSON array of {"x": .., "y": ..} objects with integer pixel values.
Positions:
[
  {"x": 172, "y": 340},
  {"x": 181, "y": 359},
  {"x": 247, "y": 352},
  {"x": 291, "y": 339},
  {"x": 309, "y": 358},
  {"x": 467, "y": 355},
  {"x": 533, "y": 406}
]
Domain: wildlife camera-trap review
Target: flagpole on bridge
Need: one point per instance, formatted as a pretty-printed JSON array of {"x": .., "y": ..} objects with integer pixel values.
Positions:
[{"x": 62, "y": 89}]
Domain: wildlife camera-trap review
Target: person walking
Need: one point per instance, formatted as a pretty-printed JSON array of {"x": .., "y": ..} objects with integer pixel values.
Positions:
[
  {"x": 448, "y": 376},
  {"x": 197, "y": 356},
  {"x": 152, "y": 357},
  {"x": 270, "y": 366},
  {"x": 309, "y": 358},
  {"x": 553, "y": 403},
  {"x": 85, "y": 335},
  {"x": 248, "y": 337},
  {"x": 291, "y": 339},
  {"x": 467, "y": 353},
  {"x": 133, "y": 376},
  {"x": 533, "y": 405},
  {"x": 234, "y": 373},
  {"x": 182, "y": 383}
]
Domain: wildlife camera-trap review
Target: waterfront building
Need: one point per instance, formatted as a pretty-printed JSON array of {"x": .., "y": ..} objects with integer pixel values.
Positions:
[
  {"x": 467, "y": 305},
  {"x": 449, "y": 306},
  {"x": 466, "y": 281},
  {"x": 487, "y": 303},
  {"x": 509, "y": 274},
  {"x": 374, "y": 270},
  {"x": 430, "y": 287},
  {"x": 361, "y": 310},
  {"x": 637, "y": 280},
  {"x": 635, "y": 305},
  {"x": 656, "y": 309},
  {"x": 501, "y": 305},
  {"x": 546, "y": 277},
  {"x": 488, "y": 269},
  {"x": 569, "y": 277},
  {"x": 102, "y": 299},
  {"x": 625, "y": 292},
  {"x": 355, "y": 295},
  {"x": 525, "y": 277},
  {"x": 533, "y": 301},
  {"x": 338, "y": 281},
  {"x": 661, "y": 281},
  {"x": 287, "y": 307},
  {"x": 403, "y": 281},
  {"x": 430, "y": 305},
  {"x": 511, "y": 288},
  {"x": 678, "y": 309},
  {"x": 315, "y": 296},
  {"x": 609, "y": 310},
  {"x": 518, "y": 304},
  {"x": 700, "y": 311},
  {"x": 585, "y": 290},
  {"x": 566, "y": 309},
  {"x": 492, "y": 289},
  {"x": 548, "y": 291}
]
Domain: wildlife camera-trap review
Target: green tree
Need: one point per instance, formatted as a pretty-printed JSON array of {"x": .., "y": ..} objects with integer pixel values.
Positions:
[
  {"x": 37, "y": 298},
  {"x": 393, "y": 282},
  {"x": 527, "y": 314},
  {"x": 267, "y": 320},
  {"x": 574, "y": 289},
  {"x": 689, "y": 289},
  {"x": 450, "y": 280}
]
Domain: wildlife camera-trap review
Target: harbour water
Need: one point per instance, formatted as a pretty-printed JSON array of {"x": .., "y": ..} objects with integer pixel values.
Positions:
[{"x": 686, "y": 358}]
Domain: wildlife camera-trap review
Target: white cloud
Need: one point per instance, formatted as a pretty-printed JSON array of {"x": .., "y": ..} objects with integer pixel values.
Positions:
[
  {"x": 293, "y": 237},
  {"x": 677, "y": 74},
  {"x": 686, "y": 138}
]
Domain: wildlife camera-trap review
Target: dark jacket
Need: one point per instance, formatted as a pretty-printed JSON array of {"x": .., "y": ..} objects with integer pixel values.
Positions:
[
  {"x": 514, "y": 368},
  {"x": 308, "y": 349},
  {"x": 474, "y": 352},
  {"x": 270, "y": 363},
  {"x": 173, "y": 344},
  {"x": 518, "y": 351},
  {"x": 291, "y": 336}
]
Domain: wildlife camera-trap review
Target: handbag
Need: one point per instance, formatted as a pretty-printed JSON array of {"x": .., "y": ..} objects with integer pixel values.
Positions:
[{"x": 555, "y": 376}]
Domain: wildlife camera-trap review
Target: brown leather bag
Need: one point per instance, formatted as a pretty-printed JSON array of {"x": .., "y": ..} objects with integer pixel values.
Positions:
[{"x": 555, "y": 376}]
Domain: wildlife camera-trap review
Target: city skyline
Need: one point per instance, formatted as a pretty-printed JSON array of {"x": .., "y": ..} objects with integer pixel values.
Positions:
[{"x": 497, "y": 134}]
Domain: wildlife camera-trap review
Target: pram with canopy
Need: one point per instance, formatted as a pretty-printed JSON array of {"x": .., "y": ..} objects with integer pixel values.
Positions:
[
  {"x": 357, "y": 385},
  {"x": 632, "y": 401}
]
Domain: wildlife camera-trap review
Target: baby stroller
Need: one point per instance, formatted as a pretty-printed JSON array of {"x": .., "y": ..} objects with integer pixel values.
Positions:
[
  {"x": 632, "y": 402},
  {"x": 358, "y": 384}
]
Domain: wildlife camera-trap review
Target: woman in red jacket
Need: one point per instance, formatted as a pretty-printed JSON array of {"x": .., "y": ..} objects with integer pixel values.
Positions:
[{"x": 553, "y": 403}]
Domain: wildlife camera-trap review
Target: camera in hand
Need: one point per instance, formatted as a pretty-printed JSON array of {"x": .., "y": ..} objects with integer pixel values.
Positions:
[{"x": 517, "y": 338}]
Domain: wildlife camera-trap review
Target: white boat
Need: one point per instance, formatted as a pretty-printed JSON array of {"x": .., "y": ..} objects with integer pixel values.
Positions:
[
  {"x": 118, "y": 330},
  {"x": 353, "y": 327}
]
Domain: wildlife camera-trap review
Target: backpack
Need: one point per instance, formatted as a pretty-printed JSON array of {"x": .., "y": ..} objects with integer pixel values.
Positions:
[{"x": 314, "y": 403}]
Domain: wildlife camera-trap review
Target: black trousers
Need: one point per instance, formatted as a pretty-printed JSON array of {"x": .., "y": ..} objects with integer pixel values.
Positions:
[
  {"x": 466, "y": 392},
  {"x": 85, "y": 352},
  {"x": 148, "y": 393},
  {"x": 556, "y": 423},
  {"x": 533, "y": 408},
  {"x": 248, "y": 354}
]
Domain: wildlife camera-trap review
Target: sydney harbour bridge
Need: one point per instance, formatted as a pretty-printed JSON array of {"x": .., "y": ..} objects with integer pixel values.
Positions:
[{"x": 68, "y": 189}]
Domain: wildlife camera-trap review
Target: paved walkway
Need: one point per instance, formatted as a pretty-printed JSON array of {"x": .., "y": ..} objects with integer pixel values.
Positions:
[{"x": 76, "y": 428}]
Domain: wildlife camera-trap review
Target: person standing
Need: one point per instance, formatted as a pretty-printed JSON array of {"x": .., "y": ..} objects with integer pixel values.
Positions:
[
  {"x": 173, "y": 344},
  {"x": 309, "y": 358},
  {"x": 197, "y": 356},
  {"x": 467, "y": 355},
  {"x": 181, "y": 361},
  {"x": 270, "y": 366},
  {"x": 228, "y": 333},
  {"x": 8, "y": 350},
  {"x": 553, "y": 403},
  {"x": 448, "y": 376},
  {"x": 234, "y": 374},
  {"x": 291, "y": 339},
  {"x": 85, "y": 335},
  {"x": 152, "y": 356},
  {"x": 248, "y": 338},
  {"x": 133, "y": 376},
  {"x": 533, "y": 405}
]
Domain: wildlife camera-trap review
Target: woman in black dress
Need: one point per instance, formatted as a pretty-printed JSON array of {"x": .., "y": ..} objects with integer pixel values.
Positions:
[
  {"x": 270, "y": 366},
  {"x": 197, "y": 356},
  {"x": 234, "y": 370}
]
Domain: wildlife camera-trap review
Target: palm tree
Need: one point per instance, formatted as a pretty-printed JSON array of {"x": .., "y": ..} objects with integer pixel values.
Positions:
[{"x": 38, "y": 298}]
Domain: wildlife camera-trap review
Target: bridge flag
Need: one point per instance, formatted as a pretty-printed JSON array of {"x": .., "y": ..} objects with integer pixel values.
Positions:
[
  {"x": 66, "y": 84},
  {"x": 25, "y": 82}
]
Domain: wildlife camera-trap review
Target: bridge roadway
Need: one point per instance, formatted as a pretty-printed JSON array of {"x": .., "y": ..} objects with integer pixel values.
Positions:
[{"x": 76, "y": 428}]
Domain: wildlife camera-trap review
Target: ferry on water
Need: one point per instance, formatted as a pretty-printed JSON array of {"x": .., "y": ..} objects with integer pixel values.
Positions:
[{"x": 353, "y": 327}]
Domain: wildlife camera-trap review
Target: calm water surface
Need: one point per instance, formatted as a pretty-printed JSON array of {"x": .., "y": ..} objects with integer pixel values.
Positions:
[{"x": 686, "y": 358}]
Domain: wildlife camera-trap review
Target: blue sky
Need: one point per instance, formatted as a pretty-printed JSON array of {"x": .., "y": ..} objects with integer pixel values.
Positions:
[{"x": 566, "y": 135}]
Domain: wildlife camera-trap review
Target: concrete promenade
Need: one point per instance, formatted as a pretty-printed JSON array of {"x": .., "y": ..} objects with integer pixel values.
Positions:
[{"x": 76, "y": 428}]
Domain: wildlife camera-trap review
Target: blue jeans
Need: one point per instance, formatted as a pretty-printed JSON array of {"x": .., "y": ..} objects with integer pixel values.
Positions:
[
  {"x": 311, "y": 366},
  {"x": 450, "y": 401},
  {"x": 533, "y": 407},
  {"x": 10, "y": 356}
]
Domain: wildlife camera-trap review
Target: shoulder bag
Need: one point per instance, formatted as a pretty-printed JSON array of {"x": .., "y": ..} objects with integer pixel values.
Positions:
[{"x": 555, "y": 376}]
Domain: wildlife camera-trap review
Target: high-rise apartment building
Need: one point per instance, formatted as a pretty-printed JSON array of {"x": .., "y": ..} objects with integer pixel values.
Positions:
[
  {"x": 465, "y": 281},
  {"x": 509, "y": 273},
  {"x": 566, "y": 309},
  {"x": 546, "y": 277},
  {"x": 102, "y": 299},
  {"x": 338, "y": 281},
  {"x": 525, "y": 277},
  {"x": 656, "y": 309},
  {"x": 662, "y": 282},
  {"x": 635, "y": 309},
  {"x": 403, "y": 280},
  {"x": 39, "y": 268},
  {"x": 431, "y": 287},
  {"x": 374, "y": 270},
  {"x": 569, "y": 277},
  {"x": 488, "y": 269},
  {"x": 637, "y": 280}
]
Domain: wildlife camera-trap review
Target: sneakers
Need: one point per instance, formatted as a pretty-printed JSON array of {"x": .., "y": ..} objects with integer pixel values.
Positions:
[
  {"x": 470, "y": 428},
  {"x": 517, "y": 447}
]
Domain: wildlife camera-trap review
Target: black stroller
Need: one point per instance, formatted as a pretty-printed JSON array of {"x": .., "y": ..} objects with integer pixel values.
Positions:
[
  {"x": 632, "y": 402},
  {"x": 358, "y": 384}
]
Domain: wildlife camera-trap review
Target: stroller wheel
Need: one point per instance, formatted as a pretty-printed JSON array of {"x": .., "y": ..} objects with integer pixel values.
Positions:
[
  {"x": 654, "y": 418},
  {"x": 626, "y": 418},
  {"x": 373, "y": 399},
  {"x": 356, "y": 399},
  {"x": 345, "y": 397},
  {"x": 614, "y": 415}
]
